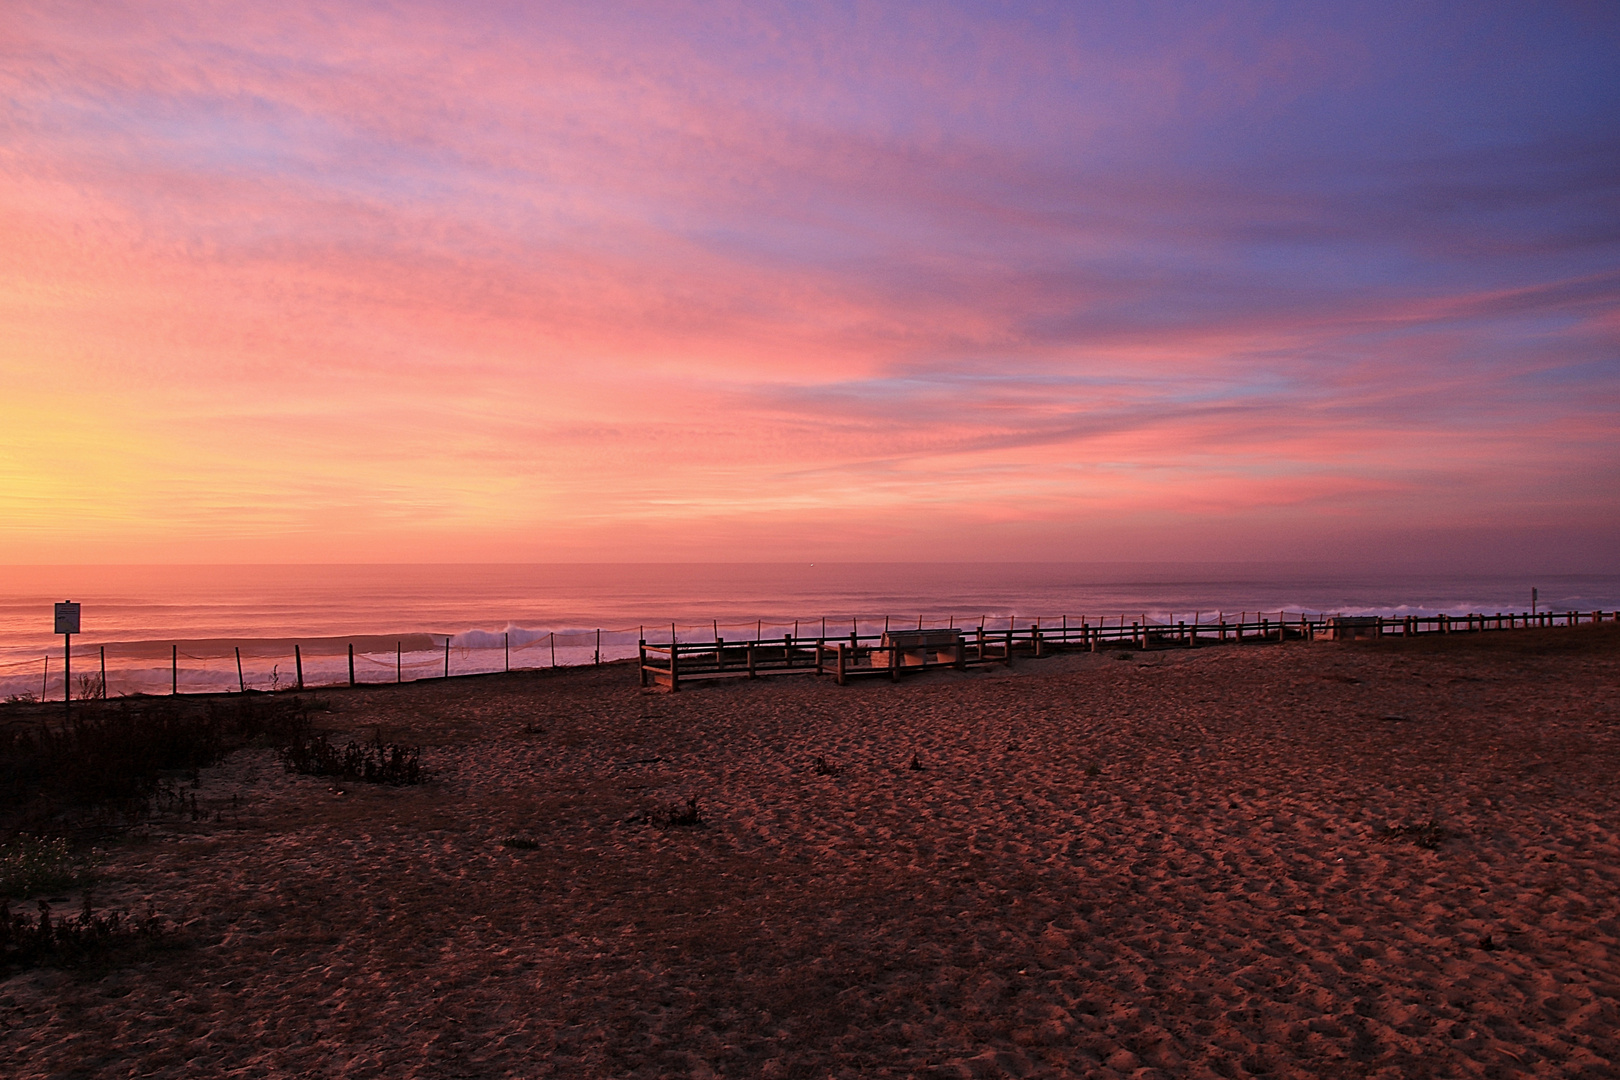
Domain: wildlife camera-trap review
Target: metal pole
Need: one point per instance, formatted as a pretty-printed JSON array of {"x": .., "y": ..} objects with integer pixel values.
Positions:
[
  {"x": 67, "y": 671},
  {"x": 447, "y": 656},
  {"x": 298, "y": 661},
  {"x": 174, "y": 669},
  {"x": 506, "y": 643},
  {"x": 351, "y": 663},
  {"x": 103, "y": 694}
]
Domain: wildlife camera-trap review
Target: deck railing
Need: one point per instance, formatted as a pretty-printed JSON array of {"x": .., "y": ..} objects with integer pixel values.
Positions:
[{"x": 855, "y": 655}]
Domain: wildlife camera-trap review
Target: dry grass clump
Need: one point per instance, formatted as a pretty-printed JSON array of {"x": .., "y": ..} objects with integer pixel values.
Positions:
[
  {"x": 672, "y": 816},
  {"x": 373, "y": 762},
  {"x": 87, "y": 937},
  {"x": 31, "y": 864},
  {"x": 111, "y": 759},
  {"x": 1425, "y": 834}
]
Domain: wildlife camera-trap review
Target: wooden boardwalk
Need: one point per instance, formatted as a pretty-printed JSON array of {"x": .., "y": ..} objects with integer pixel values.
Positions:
[{"x": 894, "y": 653}]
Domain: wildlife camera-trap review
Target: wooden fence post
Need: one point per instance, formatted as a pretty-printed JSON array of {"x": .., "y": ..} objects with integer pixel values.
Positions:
[
  {"x": 642, "y": 648},
  {"x": 298, "y": 663},
  {"x": 674, "y": 665},
  {"x": 351, "y": 663},
  {"x": 174, "y": 669},
  {"x": 840, "y": 663},
  {"x": 447, "y": 656},
  {"x": 241, "y": 683}
]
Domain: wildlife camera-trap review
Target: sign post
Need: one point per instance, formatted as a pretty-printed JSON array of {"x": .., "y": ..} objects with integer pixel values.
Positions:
[{"x": 67, "y": 624}]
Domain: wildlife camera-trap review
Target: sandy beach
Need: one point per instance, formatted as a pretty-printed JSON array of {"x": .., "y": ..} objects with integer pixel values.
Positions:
[{"x": 1199, "y": 863}]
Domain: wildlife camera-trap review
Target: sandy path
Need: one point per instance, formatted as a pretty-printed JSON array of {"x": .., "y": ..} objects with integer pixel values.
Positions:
[{"x": 1168, "y": 866}]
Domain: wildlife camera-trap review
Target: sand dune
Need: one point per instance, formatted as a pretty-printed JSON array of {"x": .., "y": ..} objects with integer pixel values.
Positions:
[{"x": 1174, "y": 865}]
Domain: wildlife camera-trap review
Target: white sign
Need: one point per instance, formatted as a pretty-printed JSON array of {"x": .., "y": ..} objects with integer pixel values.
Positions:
[{"x": 67, "y": 617}]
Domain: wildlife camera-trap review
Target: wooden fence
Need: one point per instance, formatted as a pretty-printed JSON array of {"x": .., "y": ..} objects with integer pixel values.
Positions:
[{"x": 857, "y": 655}]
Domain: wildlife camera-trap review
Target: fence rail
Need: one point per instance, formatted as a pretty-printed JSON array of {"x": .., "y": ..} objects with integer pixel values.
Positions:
[
  {"x": 857, "y": 655},
  {"x": 217, "y": 666}
]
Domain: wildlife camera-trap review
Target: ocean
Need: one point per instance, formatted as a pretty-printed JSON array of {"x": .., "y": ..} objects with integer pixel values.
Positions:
[{"x": 161, "y": 625}]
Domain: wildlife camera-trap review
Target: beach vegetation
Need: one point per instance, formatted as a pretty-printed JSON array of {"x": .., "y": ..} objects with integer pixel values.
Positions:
[
  {"x": 374, "y": 762},
  {"x": 114, "y": 761},
  {"x": 1425, "y": 834},
  {"x": 521, "y": 843},
  {"x": 672, "y": 816},
  {"x": 32, "y": 864},
  {"x": 89, "y": 937}
]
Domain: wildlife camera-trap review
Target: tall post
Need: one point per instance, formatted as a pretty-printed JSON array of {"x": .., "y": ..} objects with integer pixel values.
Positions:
[
  {"x": 599, "y": 646},
  {"x": 674, "y": 663},
  {"x": 351, "y": 663},
  {"x": 174, "y": 669},
  {"x": 298, "y": 662},
  {"x": 67, "y": 672},
  {"x": 103, "y": 694},
  {"x": 553, "y": 649},
  {"x": 506, "y": 647},
  {"x": 399, "y": 662},
  {"x": 841, "y": 663},
  {"x": 241, "y": 683},
  {"x": 447, "y": 656},
  {"x": 641, "y": 647}
]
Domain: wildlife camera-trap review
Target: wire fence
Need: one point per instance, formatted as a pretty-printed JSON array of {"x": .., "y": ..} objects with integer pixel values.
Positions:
[{"x": 218, "y": 665}]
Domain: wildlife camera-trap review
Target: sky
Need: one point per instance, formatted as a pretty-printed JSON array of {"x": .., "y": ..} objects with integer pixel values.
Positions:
[{"x": 353, "y": 282}]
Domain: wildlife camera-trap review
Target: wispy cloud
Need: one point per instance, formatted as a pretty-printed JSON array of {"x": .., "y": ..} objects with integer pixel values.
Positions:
[{"x": 565, "y": 281}]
